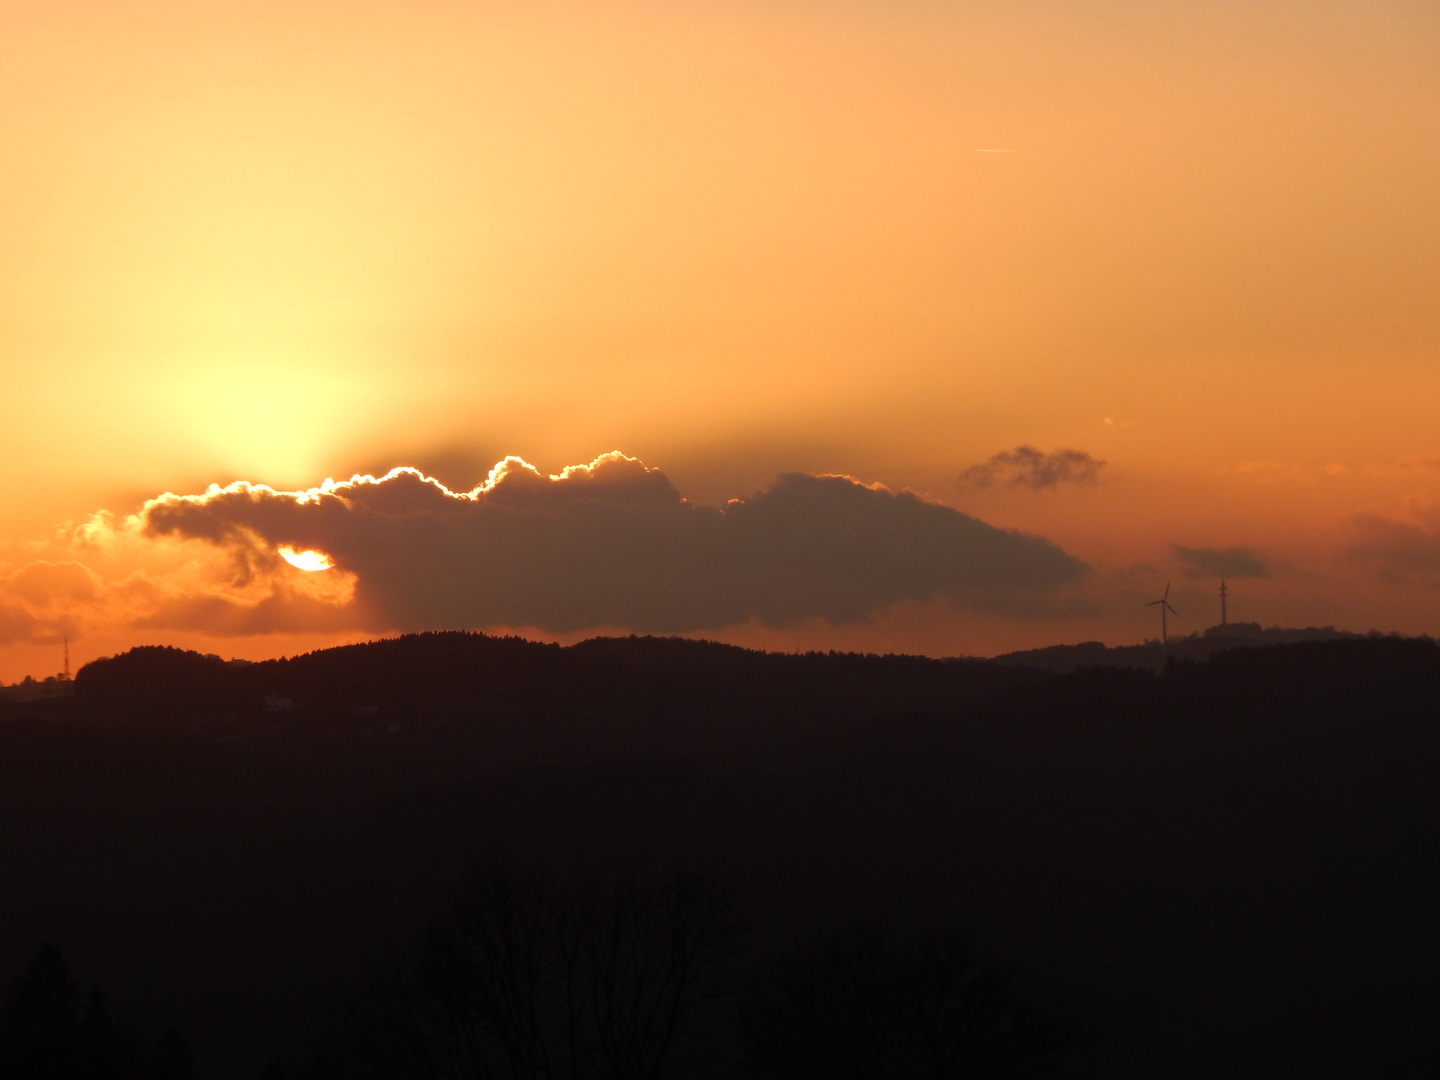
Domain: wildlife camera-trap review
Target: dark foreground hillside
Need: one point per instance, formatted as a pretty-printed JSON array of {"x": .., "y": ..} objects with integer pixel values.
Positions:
[{"x": 1229, "y": 868}]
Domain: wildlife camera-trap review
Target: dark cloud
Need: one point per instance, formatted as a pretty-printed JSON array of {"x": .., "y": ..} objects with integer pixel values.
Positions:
[
  {"x": 283, "y": 610},
  {"x": 614, "y": 544},
  {"x": 37, "y": 601},
  {"x": 45, "y": 582},
  {"x": 1027, "y": 467},
  {"x": 1400, "y": 551},
  {"x": 16, "y": 624},
  {"x": 1234, "y": 562}
]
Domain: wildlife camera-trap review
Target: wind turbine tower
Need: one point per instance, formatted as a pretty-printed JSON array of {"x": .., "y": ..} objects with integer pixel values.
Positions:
[
  {"x": 67, "y": 657},
  {"x": 1223, "y": 593},
  {"x": 1164, "y": 605}
]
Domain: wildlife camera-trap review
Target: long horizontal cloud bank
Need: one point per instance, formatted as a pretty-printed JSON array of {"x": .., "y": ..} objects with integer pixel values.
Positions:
[{"x": 613, "y": 543}]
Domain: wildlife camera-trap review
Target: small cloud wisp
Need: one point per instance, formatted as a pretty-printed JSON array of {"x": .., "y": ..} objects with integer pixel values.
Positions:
[
  {"x": 1028, "y": 467},
  {"x": 1399, "y": 552},
  {"x": 1233, "y": 562}
]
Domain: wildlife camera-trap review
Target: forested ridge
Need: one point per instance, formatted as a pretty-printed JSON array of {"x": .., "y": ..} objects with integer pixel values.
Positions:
[{"x": 1227, "y": 867}]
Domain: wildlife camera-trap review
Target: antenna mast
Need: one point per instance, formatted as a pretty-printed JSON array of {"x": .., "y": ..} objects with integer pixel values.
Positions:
[{"x": 1223, "y": 593}]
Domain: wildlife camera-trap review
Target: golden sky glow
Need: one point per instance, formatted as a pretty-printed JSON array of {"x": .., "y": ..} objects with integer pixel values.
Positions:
[{"x": 277, "y": 242}]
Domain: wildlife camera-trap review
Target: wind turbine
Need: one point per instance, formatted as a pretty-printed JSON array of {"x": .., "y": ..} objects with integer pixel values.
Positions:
[{"x": 1164, "y": 605}]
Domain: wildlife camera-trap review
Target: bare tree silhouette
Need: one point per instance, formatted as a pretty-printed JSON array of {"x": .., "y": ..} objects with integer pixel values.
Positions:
[
  {"x": 522, "y": 977},
  {"x": 486, "y": 969},
  {"x": 637, "y": 956}
]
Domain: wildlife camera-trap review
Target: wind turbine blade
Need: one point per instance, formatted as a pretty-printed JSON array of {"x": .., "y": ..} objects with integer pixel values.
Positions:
[
  {"x": 1172, "y": 610},
  {"x": 1167, "y": 591}
]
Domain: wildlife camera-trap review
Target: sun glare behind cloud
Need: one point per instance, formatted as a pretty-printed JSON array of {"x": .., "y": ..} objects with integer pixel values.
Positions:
[
  {"x": 305, "y": 560},
  {"x": 265, "y": 411}
]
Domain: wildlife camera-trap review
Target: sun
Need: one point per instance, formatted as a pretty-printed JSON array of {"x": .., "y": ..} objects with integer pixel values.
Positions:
[{"x": 305, "y": 560}]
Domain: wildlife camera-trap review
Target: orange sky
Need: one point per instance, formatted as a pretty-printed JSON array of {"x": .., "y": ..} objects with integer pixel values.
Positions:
[{"x": 280, "y": 242}]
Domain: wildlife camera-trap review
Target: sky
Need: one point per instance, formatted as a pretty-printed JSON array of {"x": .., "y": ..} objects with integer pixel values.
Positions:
[{"x": 943, "y": 327}]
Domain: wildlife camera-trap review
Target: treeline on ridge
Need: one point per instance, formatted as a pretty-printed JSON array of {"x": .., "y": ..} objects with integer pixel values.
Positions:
[{"x": 603, "y": 696}]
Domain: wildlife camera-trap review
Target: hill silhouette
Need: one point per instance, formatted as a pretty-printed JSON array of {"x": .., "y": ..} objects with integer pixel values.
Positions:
[
  {"x": 477, "y": 701},
  {"x": 1153, "y": 655},
  {"x": 1223, "y": 867}
]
